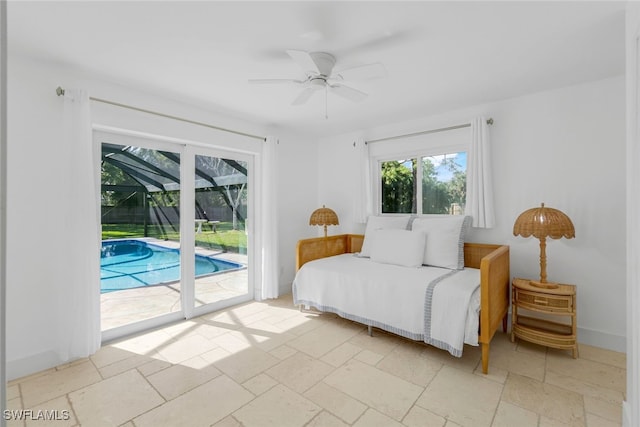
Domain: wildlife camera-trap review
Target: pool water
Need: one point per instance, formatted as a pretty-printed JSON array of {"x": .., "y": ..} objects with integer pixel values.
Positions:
[{"x": 128, "y": 264}]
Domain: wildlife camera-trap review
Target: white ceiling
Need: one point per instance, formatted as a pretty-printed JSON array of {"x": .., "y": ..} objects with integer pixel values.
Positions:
[{"x": 439, "y": 56}]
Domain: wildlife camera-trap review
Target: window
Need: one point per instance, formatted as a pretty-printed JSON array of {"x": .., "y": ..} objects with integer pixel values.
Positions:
[{"x": 442, "y": 178}]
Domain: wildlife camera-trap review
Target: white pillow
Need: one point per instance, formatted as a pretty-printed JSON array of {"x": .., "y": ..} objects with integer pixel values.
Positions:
[
  {"x": 444, "y": 245},
  {"x": 382, "y": 223},
  {"x": 398, "y": 247}
]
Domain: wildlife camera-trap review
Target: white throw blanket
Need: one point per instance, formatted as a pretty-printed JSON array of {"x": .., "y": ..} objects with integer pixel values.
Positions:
[
  {"x": 451, "y": 311},
  {"x": 394, "y": 298}
]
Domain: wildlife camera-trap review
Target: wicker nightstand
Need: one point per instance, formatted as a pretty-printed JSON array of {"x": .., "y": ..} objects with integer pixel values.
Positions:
[{"x": 550, "y": 299}]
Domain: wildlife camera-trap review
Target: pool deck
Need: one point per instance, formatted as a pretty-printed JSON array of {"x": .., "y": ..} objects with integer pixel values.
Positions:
[{"x": 131, "y": 305}]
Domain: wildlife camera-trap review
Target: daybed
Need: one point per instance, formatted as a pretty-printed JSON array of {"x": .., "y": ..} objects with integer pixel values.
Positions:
[{"x": 330, "y": 284}]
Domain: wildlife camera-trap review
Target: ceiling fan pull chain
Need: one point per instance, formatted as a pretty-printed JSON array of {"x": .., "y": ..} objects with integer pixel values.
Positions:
[{"x": 326, "y": 102}]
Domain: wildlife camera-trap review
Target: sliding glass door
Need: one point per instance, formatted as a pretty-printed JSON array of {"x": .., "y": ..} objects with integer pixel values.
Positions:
[
  {"x": 222, "y": 195},
  {"x": 175, "y": 231},
  {"x": 140, "y": 263}
]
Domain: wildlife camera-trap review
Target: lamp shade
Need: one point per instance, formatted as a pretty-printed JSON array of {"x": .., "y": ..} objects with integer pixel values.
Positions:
[
  {"x": 324, "y": 216},
  {"x": 544, "y": 222},
  {"x": 541, "y": 223}
]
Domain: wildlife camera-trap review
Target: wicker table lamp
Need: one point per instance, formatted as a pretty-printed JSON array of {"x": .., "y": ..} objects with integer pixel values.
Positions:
[
  {"x": 324, "y": 216},
  {"x": 541, "y": 223}
]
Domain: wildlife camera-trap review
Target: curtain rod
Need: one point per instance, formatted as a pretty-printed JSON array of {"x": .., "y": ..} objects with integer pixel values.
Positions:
[
  {"x": 466, "y": 125},
  {"x": 60, "y": 92}
]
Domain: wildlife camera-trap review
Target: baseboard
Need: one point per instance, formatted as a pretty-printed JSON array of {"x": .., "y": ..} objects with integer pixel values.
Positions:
[
  {"x": 626, "y": 416},
  {"x": 602, "y": 340},
  {"x": 30, "y": 365}
]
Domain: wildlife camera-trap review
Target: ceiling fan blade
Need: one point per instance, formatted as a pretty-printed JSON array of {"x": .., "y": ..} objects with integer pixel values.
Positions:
[
  {"x": 274, "y": 81},
  {"x": 304, "y": 96},
  {"x": 304, "y": 60},
  {"x": 348, "y": 92},
  {"x": 363, "y": 72}
]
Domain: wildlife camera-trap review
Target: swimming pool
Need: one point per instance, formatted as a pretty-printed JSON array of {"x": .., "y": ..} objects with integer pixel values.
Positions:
[{"x": 127, "y": 264}]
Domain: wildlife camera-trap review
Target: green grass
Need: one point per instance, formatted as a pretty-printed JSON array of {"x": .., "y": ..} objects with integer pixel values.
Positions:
[{"x": 225, "y": 238}]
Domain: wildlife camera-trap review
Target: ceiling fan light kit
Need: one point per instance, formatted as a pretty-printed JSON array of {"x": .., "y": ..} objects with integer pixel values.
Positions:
[{"x": 318, "y": 69}]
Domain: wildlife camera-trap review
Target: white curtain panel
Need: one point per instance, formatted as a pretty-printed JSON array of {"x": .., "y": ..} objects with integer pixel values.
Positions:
[
  {"x": 269, "y": 219},
  {"x": 479, "y": 187},
  {"x": 78, "y": 322},
  {"x": 362, "y": 200}
]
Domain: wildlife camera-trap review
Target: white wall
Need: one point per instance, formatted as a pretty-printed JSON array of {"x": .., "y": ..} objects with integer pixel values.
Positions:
[
  {"x": 297, "y": 194},
  {"x": 34, "y": 205},
  {"x": 563, "y": 147},
  {"x": 631, "y": 405}
]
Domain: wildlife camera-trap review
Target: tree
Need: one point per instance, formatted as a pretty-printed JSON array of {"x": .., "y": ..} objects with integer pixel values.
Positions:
[
  {"x": 438, "y": 196},
  {"x": 398, "y": 186}
]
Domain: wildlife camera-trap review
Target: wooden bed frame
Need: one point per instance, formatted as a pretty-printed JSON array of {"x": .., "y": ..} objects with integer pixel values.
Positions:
[{"x": 492, "y": 260}]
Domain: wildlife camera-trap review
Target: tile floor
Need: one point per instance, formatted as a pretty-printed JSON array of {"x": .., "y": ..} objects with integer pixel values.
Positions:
[{"x": 268, "y": 364}]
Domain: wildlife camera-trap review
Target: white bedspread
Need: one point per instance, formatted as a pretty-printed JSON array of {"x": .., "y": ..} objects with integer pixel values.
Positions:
[{"x": 430, "y": 304}]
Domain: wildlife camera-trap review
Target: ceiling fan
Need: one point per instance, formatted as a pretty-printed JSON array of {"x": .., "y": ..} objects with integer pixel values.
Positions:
[{"x": 319, "y": 74}]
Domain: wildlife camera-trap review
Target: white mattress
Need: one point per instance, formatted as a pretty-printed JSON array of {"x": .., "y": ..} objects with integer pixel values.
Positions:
[{"x": 430, "y": 304}]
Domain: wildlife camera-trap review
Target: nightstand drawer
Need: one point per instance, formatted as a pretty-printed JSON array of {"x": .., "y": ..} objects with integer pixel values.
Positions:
[{"x": 544, "y": 302}]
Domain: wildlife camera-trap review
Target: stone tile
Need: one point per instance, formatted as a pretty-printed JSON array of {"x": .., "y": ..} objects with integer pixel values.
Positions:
[
  {"x": 278, "y": 407},
  {"x": 373, "y": 418},
  {"x": 325, "y": 419},
  {"x": 548, "y": 422},
  {"x": 609, "y": 411},
  {"x": 300, "y": 372},
  {"x": 246, "y": 364},
  {"x": 185, "y": 348},
  {"x": 338, "y": 403},
  {"x": 232, "y": 342},
  {"x": 587, "y": 371},
  {"x": 531, "y": 348},
  {"x": 324, "y": 339},
  {"x": 15, "y": 420},
  {"x": 465, "y": 398},
  {"x": 13, "y": 391},
  {"x": 584, "y": 388},
  {"x": 114, "y": 400},
  {"x": 283, "y": 352},
  {"x": 124, "y": 365},
  {"x": 509, "y": 415},
  {"x": 147, "y": 343},
  {"x": 299, "y": 325},
  {"x": 410, "y": 364},
  {"x": 381, "y": 342},
  {"x": 264, "y": 335},
  {"x": 155, "y": 365},
  {"x": 545, "y": 399},
  {"x": 601, "y": 355},
  {"x": 469, "y": 361},
  {"x": 495, "y": 374},
  {"x": 227, "y": 422},
  {"x": 216, "y": 355},
  {"x": 369, "y": 357},
  {"x": 109, "y": 354},
  {"x": 54, "y": 383},
  {"x": 382, "y": 391},
  {"x": 56, "y": 413},
  {"x": 209, "y": 331},
  {"x": 596, "y": 421},
  {"x": 341, "y": 354},
  {"x": 528, "y": 364},
  {"x": 420, "y": 417},
  {"x": 203, "y": 406},
  {"x": 178, "y": 379},
  {"x": 259, "y": 384}
]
